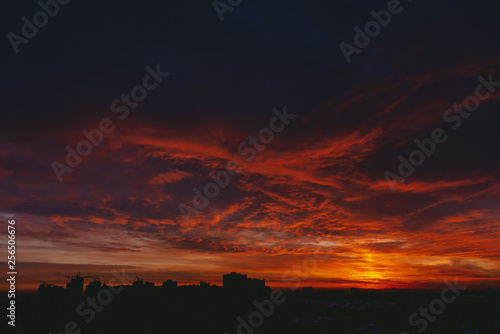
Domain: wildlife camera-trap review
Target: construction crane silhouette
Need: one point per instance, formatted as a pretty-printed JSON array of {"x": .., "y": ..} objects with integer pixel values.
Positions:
[{"x": 78, "y": 275}]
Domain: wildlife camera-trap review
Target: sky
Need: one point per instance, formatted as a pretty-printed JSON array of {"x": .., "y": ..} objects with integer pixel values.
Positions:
[{"x": 313, "y": 207}]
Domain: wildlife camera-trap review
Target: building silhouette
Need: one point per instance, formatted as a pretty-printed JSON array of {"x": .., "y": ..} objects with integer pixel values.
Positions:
[
  {"x": 50, "y": 291},
  {"x": 75, "y": 287},
  {"x": 93, "y": 287},
  {"x": 169, "y": 284},
  {"x": 234, "y": 281},
  {"x": 206, "y": 308},
  {"x": 139, "y": 283},
  {"x": 308, "y": 290}
]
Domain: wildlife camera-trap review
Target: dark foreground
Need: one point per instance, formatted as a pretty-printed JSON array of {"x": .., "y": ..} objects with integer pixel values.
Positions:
[{"x": 194, "y": 309}]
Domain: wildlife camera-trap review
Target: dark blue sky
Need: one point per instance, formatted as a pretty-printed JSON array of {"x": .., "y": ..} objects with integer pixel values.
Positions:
[{"x": 262, "y": 54}]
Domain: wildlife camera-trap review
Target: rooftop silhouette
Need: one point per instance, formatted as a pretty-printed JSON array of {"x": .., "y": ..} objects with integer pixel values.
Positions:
[{"x": 143, "y": 307}]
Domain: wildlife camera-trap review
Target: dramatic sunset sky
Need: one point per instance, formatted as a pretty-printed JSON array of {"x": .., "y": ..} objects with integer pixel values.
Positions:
[{"x": 319, "y": 186}]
